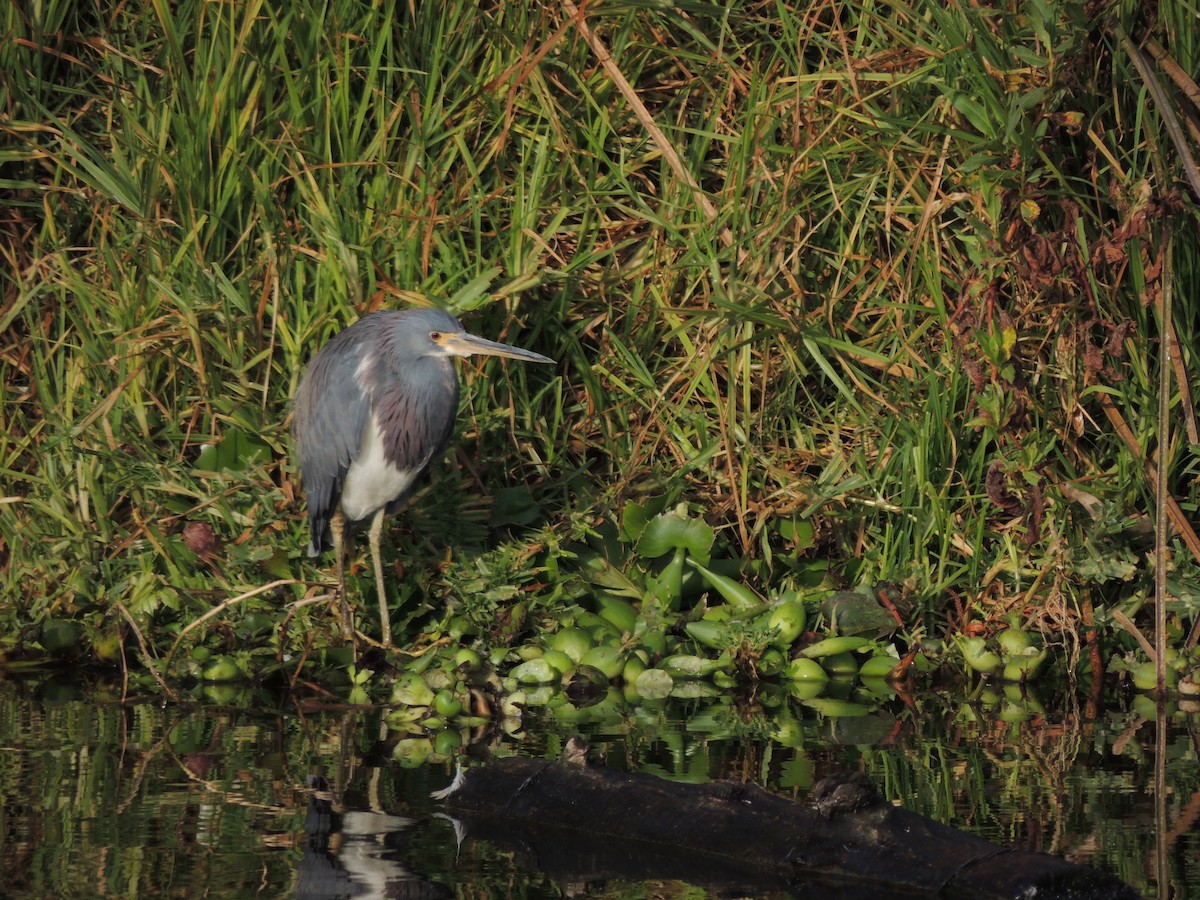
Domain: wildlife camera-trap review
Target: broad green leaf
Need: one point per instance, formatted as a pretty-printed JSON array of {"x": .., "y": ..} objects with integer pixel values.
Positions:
[{"x": 670, "y": 532}]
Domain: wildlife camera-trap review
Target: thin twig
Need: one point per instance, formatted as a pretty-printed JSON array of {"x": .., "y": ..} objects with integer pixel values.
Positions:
[
  {"x": 1174, "y": 71},
  {"x": 664, "y": 146},
  {"x": 1127, "y": 623},
  {"x": 137, "y": 632},
  {"x": 1160, "y": 484},
  {"x": 308, "y": 644},
  {"x": 1174, "y": 512},
  {"x": 1187, "y": 406},
  {"x": 221, "y": 607},
  {"x": 124, "y": 666},
  {"x": 1190, "y": 170}
]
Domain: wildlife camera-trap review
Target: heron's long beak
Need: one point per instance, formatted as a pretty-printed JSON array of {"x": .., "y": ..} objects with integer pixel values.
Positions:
[{"x": 464, "y": 344}]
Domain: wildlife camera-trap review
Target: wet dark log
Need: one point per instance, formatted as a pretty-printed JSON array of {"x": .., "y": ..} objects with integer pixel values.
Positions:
[{"x": 582, "y": 824}]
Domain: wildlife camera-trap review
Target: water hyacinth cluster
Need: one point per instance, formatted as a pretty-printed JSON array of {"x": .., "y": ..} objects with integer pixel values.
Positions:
[
  {"x": 662, "y": 619},
  {"x": 669, "y": 619},
  {"x": 448, "y": 698},
  {"x": 1182, "y": 672},
  {"x": 1013, "y": 654}
]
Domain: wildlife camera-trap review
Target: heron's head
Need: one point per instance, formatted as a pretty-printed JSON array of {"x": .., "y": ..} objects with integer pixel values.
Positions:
[{"x": 444, "y": 336}]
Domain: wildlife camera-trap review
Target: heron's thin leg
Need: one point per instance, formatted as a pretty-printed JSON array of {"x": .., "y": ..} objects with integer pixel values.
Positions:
[
  {"x": 337, "y": 526},
  {"x": 374, "y": 535}
]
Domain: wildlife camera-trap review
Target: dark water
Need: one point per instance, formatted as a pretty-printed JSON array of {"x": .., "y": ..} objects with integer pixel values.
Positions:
[{"x": 268, "y": 796}]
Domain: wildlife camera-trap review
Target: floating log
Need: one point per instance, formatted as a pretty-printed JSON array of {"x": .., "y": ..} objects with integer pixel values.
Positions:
[{"x": 582, "y": 823}]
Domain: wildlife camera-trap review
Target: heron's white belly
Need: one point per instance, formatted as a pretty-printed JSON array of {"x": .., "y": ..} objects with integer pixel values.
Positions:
[{"x": 371, "y": 481}]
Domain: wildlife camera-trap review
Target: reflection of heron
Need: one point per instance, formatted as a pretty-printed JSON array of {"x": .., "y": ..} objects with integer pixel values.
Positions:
[
  {"x": 366, "y": 862},
  {"x": 374, "y": 408}
]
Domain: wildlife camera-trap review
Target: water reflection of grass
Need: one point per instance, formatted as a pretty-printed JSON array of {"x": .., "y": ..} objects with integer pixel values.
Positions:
[{"x": 136, "y": 796}]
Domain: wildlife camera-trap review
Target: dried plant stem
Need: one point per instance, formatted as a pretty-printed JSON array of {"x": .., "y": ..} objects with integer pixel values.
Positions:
[
  {"x": 1160, "y": 483},
  {"x": 221, "y": 607},
  {"x": 137, "y": 632},
  {"x": 665, "y": 147},
  {"x": 1162, "y": 103},
  {"x": 1174, "y": 511},
  {"x": 1127, "y": 623}
]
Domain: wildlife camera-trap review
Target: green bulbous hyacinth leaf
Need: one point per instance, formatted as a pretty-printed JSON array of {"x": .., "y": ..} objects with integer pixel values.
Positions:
[
  {"x": 234, "y": 452},
  {"x": 671, "y": 531}
]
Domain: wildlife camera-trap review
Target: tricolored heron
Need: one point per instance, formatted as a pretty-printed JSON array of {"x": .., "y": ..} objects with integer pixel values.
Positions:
[{"x": 376, "y": 405}]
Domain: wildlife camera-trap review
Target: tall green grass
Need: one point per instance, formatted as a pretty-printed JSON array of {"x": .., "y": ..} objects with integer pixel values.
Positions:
[{"x": 937, "y": 231}]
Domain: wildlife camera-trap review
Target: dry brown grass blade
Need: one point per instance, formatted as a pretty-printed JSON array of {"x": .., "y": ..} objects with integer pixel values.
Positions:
[
  {"x": 137, "y": 632},
  {"x": 1174, "y": 512},
  {"x": 664, "y": 146},
  {"x": 1187, "y": 404},
  {"x": 1160, "y": 483},
  {"x": 1173, "y": 70},
  {"x": 221, "y": 607},
  {"x": 1162, "y": 103},
  {"x": 1136, "y": 633}
]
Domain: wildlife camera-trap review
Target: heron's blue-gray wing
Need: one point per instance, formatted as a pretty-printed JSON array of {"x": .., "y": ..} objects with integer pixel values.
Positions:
[{"x": 331, "y": 412}]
